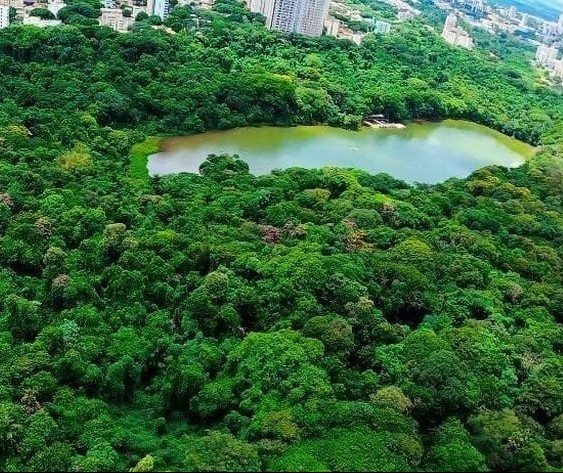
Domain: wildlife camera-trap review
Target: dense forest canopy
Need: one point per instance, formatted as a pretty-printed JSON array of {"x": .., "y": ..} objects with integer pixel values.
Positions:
[{"x": 321, "y": 320}]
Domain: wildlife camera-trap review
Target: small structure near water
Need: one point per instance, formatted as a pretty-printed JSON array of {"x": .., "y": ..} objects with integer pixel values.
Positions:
[{"x": 380, "y": 121}]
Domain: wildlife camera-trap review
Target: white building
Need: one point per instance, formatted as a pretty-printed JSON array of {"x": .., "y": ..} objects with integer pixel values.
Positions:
[
  {"x": 264, "y": 7},
  {"x": 549, "y": 28},
  {"x": 558, "y": 68},
  {"x": 205, "y": 4},
  {"x": 525, "y": 20},
  {"x": 546, "y": 56},
  {"x": 284, "y": 15},
  {"x": 55, "y": 5},
  {"x": 113, "y": 17},
  {"x": 150, "y": 7},
  {"x": 332, "y": 26},
  {"x": 382, "y": 26},
  {"x": 161, "y": 8},
  {"x": 36, "y": 21},
  {"x": 512, "y": 12},
  {"x": 455, "y": 35},
  {"x": 136, "y": 10},
  {"x": 311, "y": 17},
  {"x": 292, "y": 16},
  {"x": 451, "y": 22},
  {"x": 4, "y": 16},
  {"x": 17, "y": 4}
]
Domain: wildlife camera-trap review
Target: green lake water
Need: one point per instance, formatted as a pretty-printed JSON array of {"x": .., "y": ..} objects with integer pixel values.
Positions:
[{"x": 427, "y": 152}]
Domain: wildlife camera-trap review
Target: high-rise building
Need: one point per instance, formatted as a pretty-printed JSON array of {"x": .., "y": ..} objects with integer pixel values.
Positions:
[
  {"x": 312, "y": 17},
  {"x": 284, "y": 15},
  {"x": 525, "y": 20},
  {"x": 4, "y": 16},
  {"x": 161, "y": 8},
  {"x": 512, "y": 12},
  {"x": 264, "y": 7},
  {"x": 293, "y": 16}
]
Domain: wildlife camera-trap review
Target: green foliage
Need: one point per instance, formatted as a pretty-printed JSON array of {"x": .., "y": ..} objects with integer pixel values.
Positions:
[
  {"x": 305, "y": 320},
  {"x": 355, "y": 450},
  {"x": 79, "y": 13},
  {"x": 219, "y": 451},
  {"x": 141, "y": 16},
  {"x": 42, "y": 13},
  {"x": 453, "y": 451},
  {"x": 145, "y": 464},
  {"x": 139, "y": 159}
]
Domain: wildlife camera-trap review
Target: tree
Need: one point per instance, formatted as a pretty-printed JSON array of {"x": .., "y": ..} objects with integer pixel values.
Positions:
[
  {"x": 145, "y": 464},
  {"x": 154, "y": 20},
  {"x": 218, "y": 451},
  {"x": 54, "y": 457},
  {"x": 507, "y": 441},
  {"x": 42, "y": 13},
  {"x": 24, "y": 318},
  {"x": 393, "y": 398},
  {"x": 79, "y": 13},
  {"x": 444, "y": 384},
  {"x": 334, "y": 332},
  {"x": 11, "y": 427},
  {"x": 277, "y": 360},
  {"x": 102, "y": 457},
  {"x": 350, "y": 450},
  {"x": 141, "y": 16},
  {"x": 453, "y": 451}
]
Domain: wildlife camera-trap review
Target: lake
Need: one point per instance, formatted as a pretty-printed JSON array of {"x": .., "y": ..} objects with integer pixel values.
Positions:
[{"x": 426, "y": 152}]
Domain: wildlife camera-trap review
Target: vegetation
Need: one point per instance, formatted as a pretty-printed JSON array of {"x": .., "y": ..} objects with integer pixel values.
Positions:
[
  {"x": 323, "y": 320},
  {"x": 139, "y": 160},
  {"x": 42, "y": 13}
]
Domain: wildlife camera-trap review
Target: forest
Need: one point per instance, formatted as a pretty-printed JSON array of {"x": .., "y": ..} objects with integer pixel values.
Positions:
[{"x": 305, "y": 320}]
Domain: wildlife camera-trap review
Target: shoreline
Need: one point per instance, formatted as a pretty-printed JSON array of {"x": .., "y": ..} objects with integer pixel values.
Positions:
[
  {"x": 141, "y": 153},
  {"x": 433, "y": 140},
  {"x": 383, "y": 126}
]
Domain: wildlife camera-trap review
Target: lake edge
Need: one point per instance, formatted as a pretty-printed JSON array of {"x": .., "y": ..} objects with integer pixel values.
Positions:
[{"x": 175, "y": 144}]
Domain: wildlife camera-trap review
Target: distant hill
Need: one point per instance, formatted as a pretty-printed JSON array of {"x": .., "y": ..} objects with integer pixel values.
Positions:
[{"x": 548, "y": 9}]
